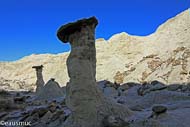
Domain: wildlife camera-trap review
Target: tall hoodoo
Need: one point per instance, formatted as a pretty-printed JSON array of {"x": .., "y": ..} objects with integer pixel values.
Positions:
[
  {"x": 40, "y": 81},
  {"x": 87, "y": 103}
]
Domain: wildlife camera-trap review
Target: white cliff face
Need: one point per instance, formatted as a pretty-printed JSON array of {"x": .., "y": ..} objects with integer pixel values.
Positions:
[
  {"x": 21, "y": 70},
  {"x": 163, "y": 55}
]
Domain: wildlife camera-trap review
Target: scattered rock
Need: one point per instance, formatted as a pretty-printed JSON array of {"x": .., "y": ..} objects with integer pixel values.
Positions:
[
  {"x": 19, "y": 100},
  {"x": 2, "y": 114},
  {"x": 102, "y": 84},
  {"x": 110, "y": 84},
  {"x": 143, "y": 89},
  {"x": 58, "y": 114},
  {"x": 4, "y": 93},
  {"x": 112, "y": 121},
  {"x": 155, "y": 82},
  {"x": 47, "y": 117},
  {"x": 6, "y": 104},
  {"x": 147, "y": 88},
  {"x": 110, "y": 92},
  {"x": 127, "y": 85},
  {"x": 174, "y": 87},
  {"x": 184, "y": 88},
  {"x": 41, "y": 111},
  {"x": 159, "y": 109},
  {"x": 123, "y": 87},
  {"x": 156, "y": 87},
  {"x": 52, "y": 107},
  {"x": 33, "y": 118}
]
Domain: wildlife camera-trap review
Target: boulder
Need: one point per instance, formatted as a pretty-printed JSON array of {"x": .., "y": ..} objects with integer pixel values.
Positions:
[
  {"x": 174, "y": 87},
  {"x": 51, "y": 90},
  {"x": 33, "y": 118},
  {"x": 7, "y": 104},
  {"x": 101, "y": 85},
  {"x": 57, "y": 115},
  {"x": 52, "y": 107},
  {"x": 110, "y": 92},
  {"x": 47, "y": 117},
  {"x": 154, "y": 86},
  {"x": 123, "y": 87},
  {"x": 185, "y": 88},
  {"x": 158, "y": 109},
  {"x": 155, "y": 82},
  {"x": 110, "y": 84},
  {"x": 20, "y": 100},
  {"x": 41, "y": 111},
  {"x": 112, "y": 121}
]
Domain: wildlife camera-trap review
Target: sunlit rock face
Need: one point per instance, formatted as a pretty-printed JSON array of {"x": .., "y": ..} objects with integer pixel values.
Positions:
[{"x": 87, "y": 103}]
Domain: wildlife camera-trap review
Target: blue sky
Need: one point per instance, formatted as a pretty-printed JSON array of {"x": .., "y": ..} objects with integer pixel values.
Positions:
[{"x": 29, "y": 26}]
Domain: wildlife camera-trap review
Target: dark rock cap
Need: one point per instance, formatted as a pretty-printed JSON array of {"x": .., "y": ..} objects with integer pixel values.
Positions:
[
  {"x": 65, "y": 30},
  {"x": 38, "y": 67}
]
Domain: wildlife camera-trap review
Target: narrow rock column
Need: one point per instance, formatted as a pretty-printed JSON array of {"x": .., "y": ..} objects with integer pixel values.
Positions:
[
  {"x": 87, "y": 103},
  {"x": 40, "y": 81}
]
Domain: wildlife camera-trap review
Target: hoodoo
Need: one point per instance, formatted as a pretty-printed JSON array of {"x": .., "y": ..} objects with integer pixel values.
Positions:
[
  {"x": 88, "y": 105},
  {"x": 40, "y": 81}
]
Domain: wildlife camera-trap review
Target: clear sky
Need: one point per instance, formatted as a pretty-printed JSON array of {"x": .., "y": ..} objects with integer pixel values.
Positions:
[{"x": 29, "y": 26}]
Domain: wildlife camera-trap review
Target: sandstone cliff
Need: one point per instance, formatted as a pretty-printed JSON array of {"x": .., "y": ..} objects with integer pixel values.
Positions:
[{"x": 163, "y": 55}]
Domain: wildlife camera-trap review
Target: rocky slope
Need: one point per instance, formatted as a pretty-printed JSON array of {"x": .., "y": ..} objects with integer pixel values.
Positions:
[
  {"x": 153, "y": 105},
  {"x": 163, "y": 56}
]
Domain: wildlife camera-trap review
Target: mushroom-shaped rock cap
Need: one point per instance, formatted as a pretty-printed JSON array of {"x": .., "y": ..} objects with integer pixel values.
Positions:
[
  {"x": 38, "y": 67},
  {"x": 66, "y": 30}
]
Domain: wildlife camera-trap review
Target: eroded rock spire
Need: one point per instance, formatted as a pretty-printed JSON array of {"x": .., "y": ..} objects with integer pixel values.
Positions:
[
  {"x": 40, "y": 81},
  {"x": 88, "y": 105}
]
